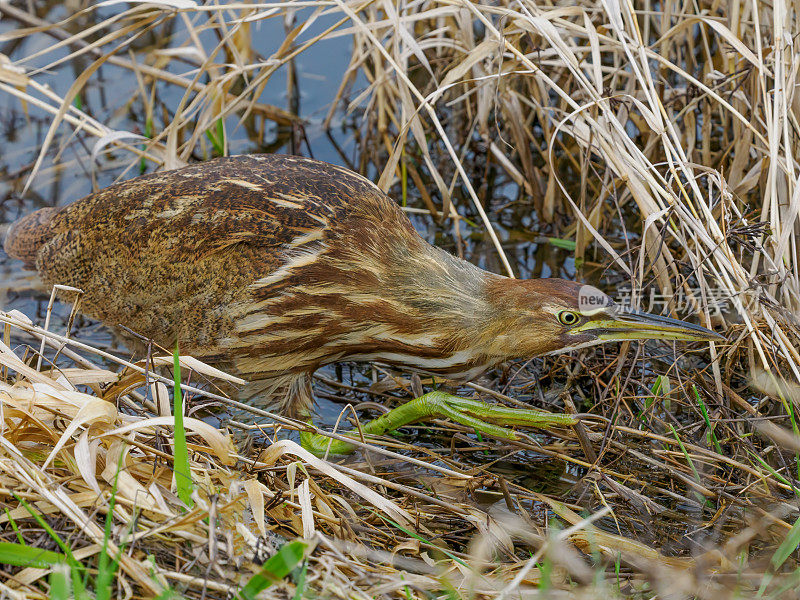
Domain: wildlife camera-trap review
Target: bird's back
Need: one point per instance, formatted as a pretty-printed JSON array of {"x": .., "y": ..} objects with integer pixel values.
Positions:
[{"x": 168, "y": 254}]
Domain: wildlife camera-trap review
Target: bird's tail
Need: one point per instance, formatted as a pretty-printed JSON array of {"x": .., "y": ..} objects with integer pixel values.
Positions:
[{"x": 26, "y": 235}]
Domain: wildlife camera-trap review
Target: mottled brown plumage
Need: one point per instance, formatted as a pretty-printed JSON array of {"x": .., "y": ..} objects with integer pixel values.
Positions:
[{"x": 274, "y": 265}]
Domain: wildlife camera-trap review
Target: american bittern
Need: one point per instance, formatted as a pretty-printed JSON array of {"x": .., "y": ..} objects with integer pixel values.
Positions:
[{"x": 275, "y": 265}]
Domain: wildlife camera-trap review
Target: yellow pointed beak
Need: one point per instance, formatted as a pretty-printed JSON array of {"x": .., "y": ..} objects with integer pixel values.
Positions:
[{"x": 634, "y": 325}]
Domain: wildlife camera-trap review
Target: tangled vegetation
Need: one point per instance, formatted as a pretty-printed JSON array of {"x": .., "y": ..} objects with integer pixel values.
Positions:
[{"x": 651, "y": 147}]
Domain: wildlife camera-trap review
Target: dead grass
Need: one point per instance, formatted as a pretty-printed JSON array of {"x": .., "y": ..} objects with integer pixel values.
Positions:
[
  {"x": 661, "y": 139},
  {"x": 426, "y": 521}
]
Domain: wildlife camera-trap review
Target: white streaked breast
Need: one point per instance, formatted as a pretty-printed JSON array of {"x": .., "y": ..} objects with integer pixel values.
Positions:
[{"x": 458, "y": 358}]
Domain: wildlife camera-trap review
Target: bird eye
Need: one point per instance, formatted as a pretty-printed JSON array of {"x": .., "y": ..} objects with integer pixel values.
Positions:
[{"x": 566, "y": 317}]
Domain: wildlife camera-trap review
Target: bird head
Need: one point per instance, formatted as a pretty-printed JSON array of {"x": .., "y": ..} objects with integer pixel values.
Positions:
[{"x": 549, "y": 316}]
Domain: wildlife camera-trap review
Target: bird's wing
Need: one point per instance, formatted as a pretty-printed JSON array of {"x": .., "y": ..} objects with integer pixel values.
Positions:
[{"x": 173, "y": 246}]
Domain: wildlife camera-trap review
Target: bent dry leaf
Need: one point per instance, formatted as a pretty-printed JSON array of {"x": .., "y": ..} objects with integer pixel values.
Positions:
[
  {"x": 198, "y": 366},
  {"x": 278, "y": 449},
  {"x": 94, "y": 411},
  {"x": 220, "y": 444}
]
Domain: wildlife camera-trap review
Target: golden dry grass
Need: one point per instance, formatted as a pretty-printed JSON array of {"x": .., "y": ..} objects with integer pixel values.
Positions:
[{"x": 376, "y": 530}]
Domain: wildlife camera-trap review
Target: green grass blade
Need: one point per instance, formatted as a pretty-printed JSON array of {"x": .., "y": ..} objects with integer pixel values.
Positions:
[
  {"x": 562, "y": 243},
  {"x": 14, "y": 527},
  {"x": 183, "y": 475},
  {"x": 788, "y": 545},
  {"x": 59, "y": 583},
  {"x": 415, "y": 535},
  {"x": 76, "y": 568},
  {"x": 148, "y": 133},
  {"x": 50, "y": 531},
  {"x": 703, "y": 410},
  {"x": 790, "y": 583},
  {"x": 217, "y": 137},
  {"x": 301, "y": 582},
  {"x": 774, "y": 473},
  {"x": 275, "y": 569},
  {"x": 686, "y": 455},
  {"x": 545, "y": 574},
  {"x": 106, "y": 570},
  {"x": 20, "y": 555},
  {"x": 655, "y": 390},
  {"x": 765, "y": 581},
  {"x": 700, "y": 498}
]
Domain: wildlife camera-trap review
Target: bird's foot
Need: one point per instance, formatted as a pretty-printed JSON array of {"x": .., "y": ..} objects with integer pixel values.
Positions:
[{"x": 484, "y": 418}]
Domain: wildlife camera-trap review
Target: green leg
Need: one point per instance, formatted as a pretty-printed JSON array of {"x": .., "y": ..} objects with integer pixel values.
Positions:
[{"x": 485, "y": 418}]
